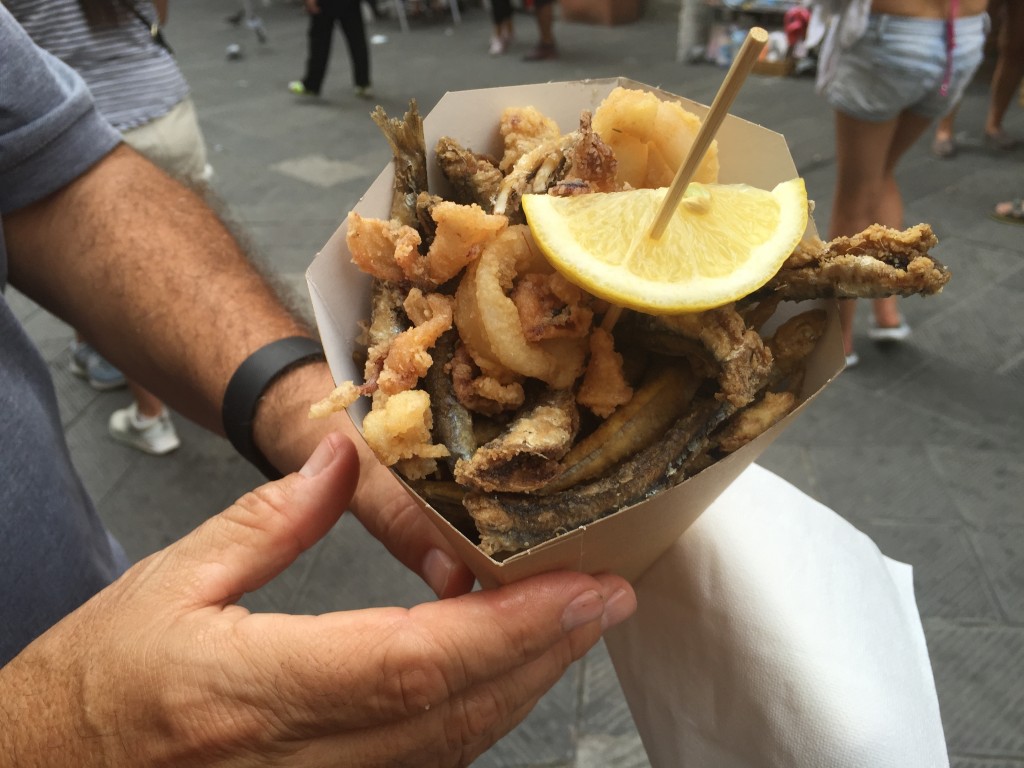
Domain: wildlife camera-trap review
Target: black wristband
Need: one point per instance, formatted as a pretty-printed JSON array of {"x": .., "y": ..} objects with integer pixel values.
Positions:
[{"x": 253, "y": 377}]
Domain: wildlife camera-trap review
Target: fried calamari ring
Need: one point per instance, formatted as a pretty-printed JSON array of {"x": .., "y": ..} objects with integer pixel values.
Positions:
[{"x": 488, "y": 319}]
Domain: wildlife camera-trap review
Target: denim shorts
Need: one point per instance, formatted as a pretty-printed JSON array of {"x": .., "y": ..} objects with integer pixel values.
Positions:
[{"x": 901, "y": 64}]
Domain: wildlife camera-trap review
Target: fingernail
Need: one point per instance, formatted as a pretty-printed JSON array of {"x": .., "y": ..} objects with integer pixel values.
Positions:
[
  {"x": 586, "y": 608},
  {"x": 320, "y": 459},
  {"x": 617, "y": 608},
  {"x": 437, "y": 569}
]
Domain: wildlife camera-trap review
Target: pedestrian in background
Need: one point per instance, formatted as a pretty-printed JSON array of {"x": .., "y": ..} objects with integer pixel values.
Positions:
[
  {"x": 1008, "y": 18},
  {"x": 501, "y": 37},
  {"x": 889, "y": 69},
  {"x": 140, "y": 90},
  {"x": 546, "y": 47},
  {"x": 323, "y": 15}
]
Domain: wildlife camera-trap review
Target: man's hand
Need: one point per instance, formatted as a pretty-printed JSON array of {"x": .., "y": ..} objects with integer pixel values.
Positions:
[{"x": 164, "y": 667}]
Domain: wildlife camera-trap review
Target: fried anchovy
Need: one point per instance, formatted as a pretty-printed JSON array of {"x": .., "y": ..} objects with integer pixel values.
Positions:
[
  {"x": 410, "y": 153},
  {"x": 660, "y": 400},
  {"x": 642, "y": 331},
  {"x": 446, "y": 499},
  {"x": 794, "y": 340},
  {"x": 739, "y": 352},
  {"x": 513, "y": 522},
  {"x": 752, "y": 421},
  {"x": 790, "y": 345},
  {"x": 453, "y": 423},
  {"x": 475, "y": 178},
  {"x": 387, "y": 321},
  {"x": 525, "y": 456},
  {"x": 874, "y": 264}
]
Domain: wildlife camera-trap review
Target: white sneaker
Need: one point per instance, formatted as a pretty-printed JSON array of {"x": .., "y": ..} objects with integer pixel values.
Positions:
[
  {"x": 150, "y": 434},
  {"x": 899, "y": 332}
]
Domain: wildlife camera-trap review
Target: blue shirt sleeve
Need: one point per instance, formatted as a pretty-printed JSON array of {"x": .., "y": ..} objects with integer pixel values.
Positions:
[{"x": 50, "y": 132}]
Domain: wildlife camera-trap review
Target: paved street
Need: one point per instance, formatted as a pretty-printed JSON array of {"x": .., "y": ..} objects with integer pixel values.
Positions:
[{"x": 920, "y": 446}]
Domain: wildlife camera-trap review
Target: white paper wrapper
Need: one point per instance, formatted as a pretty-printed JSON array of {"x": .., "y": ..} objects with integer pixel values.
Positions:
[{"x": 774, "y": 633}]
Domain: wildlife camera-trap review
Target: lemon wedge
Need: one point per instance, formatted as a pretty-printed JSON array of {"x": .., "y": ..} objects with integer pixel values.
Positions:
[{"x": 723, "y": 242}]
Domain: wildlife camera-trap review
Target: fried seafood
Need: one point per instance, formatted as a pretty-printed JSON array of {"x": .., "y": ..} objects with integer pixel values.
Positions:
[
  {"x": 549, "y": 414},
  {"x": 743, "y": 362},
  {"x": 579, "y": 159},
  {"x": 408, "y": 359},
  {"x": 525, "y": 456},
  {"x": 390, "y": 251},
  {"x": 662, "y": 398},
  {"x": 755, "y": 419},
  {"x": 794, "y": 340},
  {"x": 550, "y": 307},
  {"x": 387, "y": 321},
  {"x": 604, "y": 387},
  {"x": 399, "y": 432},
  {"x": 410, "y": 160},
  {"x": 510, "y": 522},
  {"x": 874, "y": 264},
  {"x": 523, "y": 129},
  {"x": 488, "y": 319},
  {"x": 650, "y": 138},
  {"x": 453, "y": 422},
  {"x": 481, "y": 393},
  {"x": 474, "y": 178}
]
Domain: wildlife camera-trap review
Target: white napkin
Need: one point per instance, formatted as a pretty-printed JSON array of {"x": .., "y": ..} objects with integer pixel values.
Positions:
[{"x": 774, "y": 633}]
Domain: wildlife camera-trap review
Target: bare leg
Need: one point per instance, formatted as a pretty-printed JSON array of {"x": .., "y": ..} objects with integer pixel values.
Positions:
[
  {"x": 146, "y": 403},
  {"x": 943, "y": 144},
  {"x": 546, "y": 33},
  {"x": 866, "y": 189},
  {"x": 546, "y": 24},
  {"x": 1009, "y": 67}
]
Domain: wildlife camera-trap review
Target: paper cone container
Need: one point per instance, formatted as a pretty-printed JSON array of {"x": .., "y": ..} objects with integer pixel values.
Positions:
[{"x": 630, "y": 540}]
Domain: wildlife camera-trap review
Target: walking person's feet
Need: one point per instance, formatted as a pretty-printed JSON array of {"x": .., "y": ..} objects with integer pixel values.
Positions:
[
  {"x": 542, "y": 52},
  {"x": 88, "y": 364},
  {"x": 1009, "y": 212},
  {"x": 1001, "y": 141},
  {"x": 943, "y": 146},
  {"x": 896, "y": 332},
  {"x": 299, "y": 89},
  {"x": 150, "y": 434}
]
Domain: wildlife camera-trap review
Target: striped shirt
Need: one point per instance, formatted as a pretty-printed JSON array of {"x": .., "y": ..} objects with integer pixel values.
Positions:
[{"x": 132, "y": 79}]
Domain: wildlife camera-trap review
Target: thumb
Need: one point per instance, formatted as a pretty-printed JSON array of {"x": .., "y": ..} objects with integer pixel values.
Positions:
[{"x": 262, "y": 533}]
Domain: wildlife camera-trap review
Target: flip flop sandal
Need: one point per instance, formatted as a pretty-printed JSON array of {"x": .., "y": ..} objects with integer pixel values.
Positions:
[{"x": 1015, "y": 215}]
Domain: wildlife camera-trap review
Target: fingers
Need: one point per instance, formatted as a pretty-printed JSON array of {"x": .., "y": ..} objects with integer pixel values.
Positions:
[
  {"x": 261, "y": 534},
  {"x": 453, "y": 734},
  {"x": 398, "y": 664},
  {"x": 389, "y": 513}
]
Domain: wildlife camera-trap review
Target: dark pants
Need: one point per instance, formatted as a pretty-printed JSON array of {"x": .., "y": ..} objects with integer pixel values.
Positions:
[
  {"x": 501, "y": 10},
  {"x": 349, "y": 17}
]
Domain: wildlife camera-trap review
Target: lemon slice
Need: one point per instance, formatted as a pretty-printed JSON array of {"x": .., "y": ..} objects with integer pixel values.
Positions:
[{"x": 723, "y": 242}]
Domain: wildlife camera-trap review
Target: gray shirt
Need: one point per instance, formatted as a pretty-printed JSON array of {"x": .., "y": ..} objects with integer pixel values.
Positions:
[
  {"x": 54, "y": 551},
  {"x": 132, "y": 79}
]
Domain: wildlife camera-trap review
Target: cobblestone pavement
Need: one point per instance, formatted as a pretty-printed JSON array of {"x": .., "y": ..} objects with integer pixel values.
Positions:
[{"x": 920, "y": 446}]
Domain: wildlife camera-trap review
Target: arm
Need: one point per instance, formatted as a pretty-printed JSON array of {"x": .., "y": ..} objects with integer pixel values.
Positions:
[
  {"x": 125, "y": 680},
  {"x": 150, "y": 274}
]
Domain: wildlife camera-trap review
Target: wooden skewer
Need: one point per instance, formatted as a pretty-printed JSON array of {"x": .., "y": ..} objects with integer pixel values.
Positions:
[
  {"x": 741, "y": 66},
  {"x": 744, "y": 61}
]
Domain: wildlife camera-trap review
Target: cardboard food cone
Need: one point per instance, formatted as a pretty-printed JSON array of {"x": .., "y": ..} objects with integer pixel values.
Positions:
[{"x": 630, "y": 540}]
